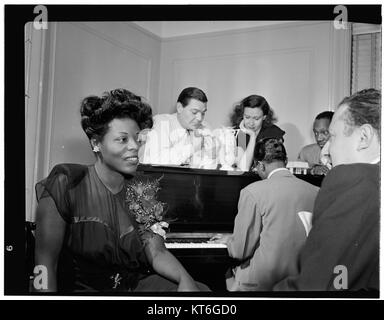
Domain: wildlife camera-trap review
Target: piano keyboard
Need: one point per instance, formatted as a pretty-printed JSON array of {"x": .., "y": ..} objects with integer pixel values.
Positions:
[{"x": 192, "y": 241}]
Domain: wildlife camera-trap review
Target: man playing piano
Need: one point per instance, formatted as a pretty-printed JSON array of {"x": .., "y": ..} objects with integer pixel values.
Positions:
[{"x": 268, "y": 232}]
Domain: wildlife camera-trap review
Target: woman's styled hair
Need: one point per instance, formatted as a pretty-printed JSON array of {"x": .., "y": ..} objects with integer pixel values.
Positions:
[
  {"x": 97, "y": 112},
  {"x": 270, "y": 150},
  {"x": 253, "y": 101}
]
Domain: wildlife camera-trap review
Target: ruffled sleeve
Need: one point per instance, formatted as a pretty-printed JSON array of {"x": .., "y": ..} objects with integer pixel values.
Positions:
[{"x": 61, "y": 179}]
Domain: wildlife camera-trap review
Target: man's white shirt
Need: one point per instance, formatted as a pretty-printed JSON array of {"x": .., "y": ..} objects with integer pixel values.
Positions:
[{"x": 168, "y": 142}]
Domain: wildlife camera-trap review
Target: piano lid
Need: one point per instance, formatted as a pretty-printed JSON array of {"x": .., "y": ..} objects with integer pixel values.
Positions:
[
  {"x": 202, "y": 200},
  {"x": 199, "y": 200}
]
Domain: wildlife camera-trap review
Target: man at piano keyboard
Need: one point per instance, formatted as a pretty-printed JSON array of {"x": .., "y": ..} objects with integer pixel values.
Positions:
[{"x": 268, "y": 232}]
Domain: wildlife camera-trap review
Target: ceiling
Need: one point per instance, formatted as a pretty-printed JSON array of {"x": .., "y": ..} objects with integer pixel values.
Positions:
[{"x": 169, "y": 29}]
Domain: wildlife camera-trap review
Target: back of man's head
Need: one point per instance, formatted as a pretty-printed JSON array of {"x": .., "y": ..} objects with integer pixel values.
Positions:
[
  {"x": 270, "y": 154},
  {"x": 355, "y": 129},
  {"x": 364, "y": 107}
]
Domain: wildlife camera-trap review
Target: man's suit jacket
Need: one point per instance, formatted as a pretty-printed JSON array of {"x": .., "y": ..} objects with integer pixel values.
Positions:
[
  {"x": 268, "y": 233},
  {"x": 345, "y": 233}
]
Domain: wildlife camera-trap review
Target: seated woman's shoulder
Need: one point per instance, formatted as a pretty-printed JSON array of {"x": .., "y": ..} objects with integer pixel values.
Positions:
[
  {"x": 73, "y": 171},
  {"x": 61, "y": 178},
  {"x": 273, "y": 131},
  {"x": 69, "y": 167}
]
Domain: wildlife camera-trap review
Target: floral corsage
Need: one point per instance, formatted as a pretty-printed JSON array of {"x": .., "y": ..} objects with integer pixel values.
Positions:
[{"x": 148, "y": 211}]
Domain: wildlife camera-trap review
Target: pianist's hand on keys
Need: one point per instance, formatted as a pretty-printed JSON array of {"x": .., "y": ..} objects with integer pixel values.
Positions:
[{"x": 221, "y": 238}]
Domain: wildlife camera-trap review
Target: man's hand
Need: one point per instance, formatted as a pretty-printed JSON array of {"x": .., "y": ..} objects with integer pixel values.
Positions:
[
  {"x": 142, "y": 137},
  {"x": 319, "y": 170},
  {"x": 220, "y": 238}
]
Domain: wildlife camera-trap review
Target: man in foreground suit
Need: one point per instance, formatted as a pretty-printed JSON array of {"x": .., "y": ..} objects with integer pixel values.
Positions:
[{"x": 342, "y": 250}]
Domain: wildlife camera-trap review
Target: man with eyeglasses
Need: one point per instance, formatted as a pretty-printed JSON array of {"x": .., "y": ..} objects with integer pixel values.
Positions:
[{"x": 342, "y": 250}]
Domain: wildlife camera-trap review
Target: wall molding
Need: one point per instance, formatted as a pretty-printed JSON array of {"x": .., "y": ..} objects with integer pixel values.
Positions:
[
  {"x": 50, "y": 99},
  {"x": 249, "y": 53},
  {"x": 123, "y": 46},
  {"x": 242, "y": 31},
  {"x": 238, "y": 55},
  {"x": 35, "y": 55},
  {"x": 149, "y": 77},
  {"x": 143, "y": 30},
  {"x": 109, "y": 39},
  {"x": 339, "y": 64}
]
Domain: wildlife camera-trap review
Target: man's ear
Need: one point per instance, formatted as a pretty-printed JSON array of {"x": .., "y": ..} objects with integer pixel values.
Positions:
[
  {"x": 366, "y": 135},
  {"x": 179, "y": 107}
]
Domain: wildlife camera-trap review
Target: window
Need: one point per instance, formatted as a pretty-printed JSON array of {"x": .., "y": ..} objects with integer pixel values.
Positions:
[{"x": 366, "y": 57}]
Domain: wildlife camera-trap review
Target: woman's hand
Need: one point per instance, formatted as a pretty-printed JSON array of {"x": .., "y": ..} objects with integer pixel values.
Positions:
[
  {"x": 165, "y": 264},
  {"x": 143, "y": 134},
  {"x": 187, "y": 284},
  {"x": 247, "y": 131}
]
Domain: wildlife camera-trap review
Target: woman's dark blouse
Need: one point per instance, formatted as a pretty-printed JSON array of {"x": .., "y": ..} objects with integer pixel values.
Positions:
[{"x": 102, "y": 248}]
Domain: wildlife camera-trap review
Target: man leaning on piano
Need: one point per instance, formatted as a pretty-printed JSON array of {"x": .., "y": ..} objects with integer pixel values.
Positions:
[
  {"x": 180, "y": 138},
  {"x": 275, "y": 240}
]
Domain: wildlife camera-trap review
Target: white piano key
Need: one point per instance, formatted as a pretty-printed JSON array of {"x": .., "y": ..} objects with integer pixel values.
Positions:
[{"x": 192, "y": 245}]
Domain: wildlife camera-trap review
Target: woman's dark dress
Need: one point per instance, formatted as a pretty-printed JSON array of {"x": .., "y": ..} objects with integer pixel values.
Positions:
[{"x": 102, "y": 249}]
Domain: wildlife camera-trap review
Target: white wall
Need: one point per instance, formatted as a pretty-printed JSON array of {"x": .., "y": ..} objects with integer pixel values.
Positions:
[
  {"x": 83, "y": 59},
  {"x": 89, "y": 59},
  {"x": 301, "y": 69}
]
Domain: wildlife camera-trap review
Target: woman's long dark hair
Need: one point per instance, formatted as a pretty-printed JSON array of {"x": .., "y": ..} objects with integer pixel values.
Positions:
[{"x": 253, "y": 101}]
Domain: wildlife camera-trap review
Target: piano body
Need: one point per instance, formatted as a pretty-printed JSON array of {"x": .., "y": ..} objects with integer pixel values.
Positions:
[{"x": 202, "y": 203}]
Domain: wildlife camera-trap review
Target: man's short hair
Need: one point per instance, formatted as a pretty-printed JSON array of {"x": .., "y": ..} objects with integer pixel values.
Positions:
[
  {"x": 191, "y": 93},
  {"x": 270, "y": 150},
  {"x": 364, "y": 107},
  {"x": 325, "y": 115}
]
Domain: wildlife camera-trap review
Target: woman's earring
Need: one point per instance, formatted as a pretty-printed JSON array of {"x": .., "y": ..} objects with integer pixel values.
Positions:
[{"x": 96, "y": 149}]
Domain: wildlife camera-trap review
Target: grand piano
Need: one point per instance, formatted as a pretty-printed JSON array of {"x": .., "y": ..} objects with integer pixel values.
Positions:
[{"x": 202, "y": 203}]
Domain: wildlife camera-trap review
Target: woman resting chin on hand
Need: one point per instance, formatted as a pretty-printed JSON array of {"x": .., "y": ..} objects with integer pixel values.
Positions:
[{"x": 254, "y": 117}]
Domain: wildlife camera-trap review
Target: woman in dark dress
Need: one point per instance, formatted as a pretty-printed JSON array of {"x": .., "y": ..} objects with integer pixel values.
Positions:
[
  {"x": 86, "y": 236},
  {"x": 254, "y": 117}
]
